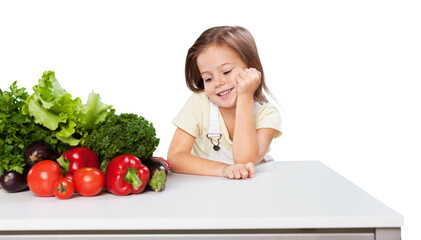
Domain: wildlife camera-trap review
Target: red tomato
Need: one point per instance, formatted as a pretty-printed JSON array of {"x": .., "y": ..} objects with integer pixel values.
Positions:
[
  {"x": 42, "y": 177},
  {"x": 88, "y": 181},
  {"x": 64, "y": 188}
]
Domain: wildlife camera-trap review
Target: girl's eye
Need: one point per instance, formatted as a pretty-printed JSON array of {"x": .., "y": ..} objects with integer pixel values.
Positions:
[
  {"x": 226, "y": 72},
  {"x": 208, "y": 79}
]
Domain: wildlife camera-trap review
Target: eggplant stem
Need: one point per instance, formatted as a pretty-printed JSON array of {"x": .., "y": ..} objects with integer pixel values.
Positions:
[{"x": 157, "y": 181}]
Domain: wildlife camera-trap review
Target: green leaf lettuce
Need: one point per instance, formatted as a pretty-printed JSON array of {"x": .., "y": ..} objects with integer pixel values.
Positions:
[{"x": 53, "y": 107}]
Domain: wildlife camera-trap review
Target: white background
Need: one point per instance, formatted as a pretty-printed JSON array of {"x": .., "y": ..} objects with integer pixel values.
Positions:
[{"x": 346, "y": 73}]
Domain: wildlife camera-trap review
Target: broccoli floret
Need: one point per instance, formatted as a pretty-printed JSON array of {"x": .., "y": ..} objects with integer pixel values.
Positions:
[{"x": 126, "y": 133}]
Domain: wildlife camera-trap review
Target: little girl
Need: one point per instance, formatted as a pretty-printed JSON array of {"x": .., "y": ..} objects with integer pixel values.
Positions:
[{"x": 227, "y": 125}]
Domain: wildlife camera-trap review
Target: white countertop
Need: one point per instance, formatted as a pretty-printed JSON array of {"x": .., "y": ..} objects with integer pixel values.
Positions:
[{"x": 282, "y": 195}]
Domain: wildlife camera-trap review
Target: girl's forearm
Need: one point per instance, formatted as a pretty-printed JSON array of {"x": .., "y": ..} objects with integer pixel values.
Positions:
[
  {"x": 245, "y": 146},
  {"x": 190, "y": 164}
]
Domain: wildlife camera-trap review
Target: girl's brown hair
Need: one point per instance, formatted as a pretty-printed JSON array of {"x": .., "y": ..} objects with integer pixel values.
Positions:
[{"x": 236, "y": 38}]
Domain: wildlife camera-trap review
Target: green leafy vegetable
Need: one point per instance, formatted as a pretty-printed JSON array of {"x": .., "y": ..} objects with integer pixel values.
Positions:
[
  {"x": 92, "y": 113},
  {"x": 122, "y": 134},
  {"x": 17, "y": 131},
  {"x": 54, "y": 108}
]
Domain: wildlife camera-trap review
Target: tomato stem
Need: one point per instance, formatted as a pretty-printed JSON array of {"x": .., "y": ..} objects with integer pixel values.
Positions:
[{"x": 62, "y": 188}]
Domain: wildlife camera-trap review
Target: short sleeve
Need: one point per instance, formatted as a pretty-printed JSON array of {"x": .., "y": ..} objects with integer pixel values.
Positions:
[
  {"x": 190, "y": 117},
  {"x": 267, "y": 116}
]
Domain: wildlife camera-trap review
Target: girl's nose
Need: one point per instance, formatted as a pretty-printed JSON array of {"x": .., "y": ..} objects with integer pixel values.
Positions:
[{"x": 219, "y": 81}]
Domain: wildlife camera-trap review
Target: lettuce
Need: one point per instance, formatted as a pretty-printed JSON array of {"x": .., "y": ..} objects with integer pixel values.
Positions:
[{"x": 53, "y": 107}]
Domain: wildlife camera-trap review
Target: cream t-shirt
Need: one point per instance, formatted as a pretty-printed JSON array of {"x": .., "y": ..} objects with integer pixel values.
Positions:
[{"x": 194, "y": 119}]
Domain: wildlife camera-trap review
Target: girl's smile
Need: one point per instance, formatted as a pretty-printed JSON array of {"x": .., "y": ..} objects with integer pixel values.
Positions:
[
  {"x": 224, "y": 93},
  {"x": 220, "y": 68}
]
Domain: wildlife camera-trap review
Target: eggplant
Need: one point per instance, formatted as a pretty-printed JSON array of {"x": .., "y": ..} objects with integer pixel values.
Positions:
[
  {"x": 158, "y": 174},
  {"x": 12, "y": 181},
  {"x": 39, "y": 151}
]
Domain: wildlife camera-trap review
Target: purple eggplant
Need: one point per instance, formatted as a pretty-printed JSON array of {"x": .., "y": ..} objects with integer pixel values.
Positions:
[
  {"x": 158, "y": 174},
  {"x": 39, "y": 151},
  {"x": 12, "y": 181}
]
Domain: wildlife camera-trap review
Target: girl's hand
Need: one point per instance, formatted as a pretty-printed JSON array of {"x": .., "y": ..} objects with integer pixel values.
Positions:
[
  {"x": 239, "y": 171},
  {"x": 248, "y": 81}
]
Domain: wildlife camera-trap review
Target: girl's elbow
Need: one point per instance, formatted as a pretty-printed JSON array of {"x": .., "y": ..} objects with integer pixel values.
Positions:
[
  {"x": 173, "y": 158},
  {"x": 254, "y": 158}
]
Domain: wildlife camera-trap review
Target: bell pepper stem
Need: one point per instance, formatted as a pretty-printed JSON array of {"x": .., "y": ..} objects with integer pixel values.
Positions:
[
  {"x": 64, "y": 164},
  {"x": 132, "y": 178}
]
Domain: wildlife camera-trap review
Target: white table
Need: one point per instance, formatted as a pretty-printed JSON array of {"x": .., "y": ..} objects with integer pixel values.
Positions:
[{"x": 285, "y": 200}]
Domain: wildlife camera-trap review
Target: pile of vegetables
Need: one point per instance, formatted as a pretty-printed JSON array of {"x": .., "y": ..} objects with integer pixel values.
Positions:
[{"x": 50, "y": 142}]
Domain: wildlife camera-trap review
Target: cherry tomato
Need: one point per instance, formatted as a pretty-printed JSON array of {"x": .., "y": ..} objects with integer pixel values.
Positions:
[
  {"x": 64, "y": 188},
  {"x": 42, "y": 178},
  {"x": 88, "y": 181}
]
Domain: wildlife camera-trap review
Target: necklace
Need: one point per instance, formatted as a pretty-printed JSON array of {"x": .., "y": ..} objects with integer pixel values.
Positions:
[{"x": 215, "y": 146}]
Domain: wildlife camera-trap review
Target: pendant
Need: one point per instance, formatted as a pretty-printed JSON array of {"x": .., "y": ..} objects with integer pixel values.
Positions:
[{"x": 215, "y": 146}]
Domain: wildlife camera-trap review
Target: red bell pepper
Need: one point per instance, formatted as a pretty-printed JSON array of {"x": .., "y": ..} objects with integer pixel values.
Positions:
[
  {"x": 125, "y": 174},
  {"x": 76, "y": 158}
]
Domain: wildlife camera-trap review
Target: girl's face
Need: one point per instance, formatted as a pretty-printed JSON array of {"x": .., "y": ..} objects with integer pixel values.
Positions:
[{"x": 220, "y": 67}]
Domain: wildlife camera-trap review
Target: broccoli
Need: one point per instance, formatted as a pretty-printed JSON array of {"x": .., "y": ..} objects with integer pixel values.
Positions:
[{"x": 126, "y": 133}]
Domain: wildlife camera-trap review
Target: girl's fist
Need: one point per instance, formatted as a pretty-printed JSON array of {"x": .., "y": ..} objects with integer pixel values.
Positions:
[
  {"x": 239, "y": 171},
  {"x": 248, "y": 81}
]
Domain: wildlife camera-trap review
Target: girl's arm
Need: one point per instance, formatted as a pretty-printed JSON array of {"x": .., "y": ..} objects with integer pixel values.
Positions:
[
  {"x": 182, "y": 161},
  {"x": 249, "y": 144}
]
